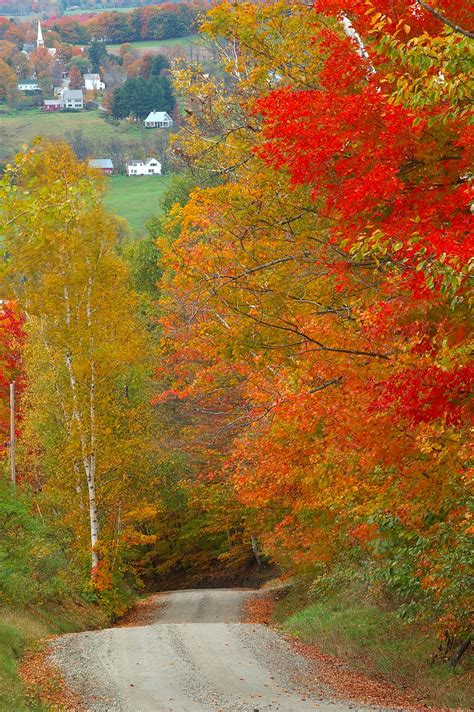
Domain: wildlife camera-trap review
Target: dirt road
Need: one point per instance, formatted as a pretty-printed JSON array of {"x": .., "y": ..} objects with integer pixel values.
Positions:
[{"x": 196, "y": 657}]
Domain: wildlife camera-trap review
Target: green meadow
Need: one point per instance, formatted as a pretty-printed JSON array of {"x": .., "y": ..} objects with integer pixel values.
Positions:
[
  {"x": 19, "y": 128},
  {"x": 136, "y": 198}
]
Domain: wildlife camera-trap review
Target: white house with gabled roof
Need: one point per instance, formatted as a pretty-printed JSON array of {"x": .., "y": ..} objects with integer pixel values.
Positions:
[
  {"x": 92, "y": 82},
  {"x": 73, "y": 99},
  {"x": 150, "y": 167},
  {"x": 158, "y": 120}
]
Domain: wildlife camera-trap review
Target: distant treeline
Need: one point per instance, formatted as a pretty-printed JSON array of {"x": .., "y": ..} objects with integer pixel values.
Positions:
[
  {"x": 152, "y": 22},
  {"x": 55, "y": 8},
  {"x": 145, "y": 23}
]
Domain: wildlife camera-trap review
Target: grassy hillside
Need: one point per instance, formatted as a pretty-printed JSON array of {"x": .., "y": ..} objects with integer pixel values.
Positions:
[
  {"x": 370, "y": 636},
  {"x": 21, "y": 631},
  {"x": 21, "y": 127},
  {"x": 84, "y": 11},
  {"x": 136, "y": 198},
  {"x": 190, "y": 46}
]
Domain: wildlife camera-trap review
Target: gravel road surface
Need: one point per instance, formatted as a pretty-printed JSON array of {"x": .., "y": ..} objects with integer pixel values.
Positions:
[{"x": 196, "y": 657}]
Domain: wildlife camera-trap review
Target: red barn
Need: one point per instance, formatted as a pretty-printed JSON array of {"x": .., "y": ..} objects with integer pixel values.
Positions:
[
  {"x": 53, "y": 105},
  {"x": 102, "y": 164}
]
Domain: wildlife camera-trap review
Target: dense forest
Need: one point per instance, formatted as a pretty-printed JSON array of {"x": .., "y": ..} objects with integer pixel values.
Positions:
[{"x": 277, "y": 376}]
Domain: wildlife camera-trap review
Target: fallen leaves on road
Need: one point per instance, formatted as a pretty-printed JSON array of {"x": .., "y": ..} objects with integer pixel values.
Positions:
[
  {"x": 259, "y": 608},
  {"x": 348, "y": 684},
  {"x": 44, "y": 682},
  {"x": 144, "y": 612}
]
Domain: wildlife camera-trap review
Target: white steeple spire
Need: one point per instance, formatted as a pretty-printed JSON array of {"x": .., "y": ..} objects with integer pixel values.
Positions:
[{"x": 39, "y": 41}]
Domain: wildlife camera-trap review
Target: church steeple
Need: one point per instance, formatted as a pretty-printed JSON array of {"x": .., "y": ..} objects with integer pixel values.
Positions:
[{"x": 39, "y": 41}]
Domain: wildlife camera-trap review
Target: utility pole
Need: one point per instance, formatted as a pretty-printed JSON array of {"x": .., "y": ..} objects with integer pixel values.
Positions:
[{"x": 12, "y": 434}]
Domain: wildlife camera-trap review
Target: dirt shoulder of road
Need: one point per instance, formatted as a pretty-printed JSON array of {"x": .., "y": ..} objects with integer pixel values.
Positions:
[
  {"x": 43, "y": 680},
  {"x": 336, "y": 673},
  {"x": 45, "y": 683}
]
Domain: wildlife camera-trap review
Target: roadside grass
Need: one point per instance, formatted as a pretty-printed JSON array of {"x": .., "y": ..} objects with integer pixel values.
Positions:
[
  {"x": 21, "y": 631},
  {"x": 18, "y": 128},
  {"x": 375, "y": 641},
  {"x": 14, "y": 637},
  {"x": 136, "y": 198}
]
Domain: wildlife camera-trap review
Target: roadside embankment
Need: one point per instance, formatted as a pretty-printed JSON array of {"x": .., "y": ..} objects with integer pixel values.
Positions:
[
  {"x": 352, "y": 635},
  {"x": 42, "y": 593},
  {"x": 23, "y": 635}
]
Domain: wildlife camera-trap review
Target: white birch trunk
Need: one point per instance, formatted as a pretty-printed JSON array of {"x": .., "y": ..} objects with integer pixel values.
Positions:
[{"x": 87, "y": 448}]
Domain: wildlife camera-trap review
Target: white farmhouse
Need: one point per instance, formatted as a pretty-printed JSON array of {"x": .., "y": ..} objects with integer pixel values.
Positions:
[
  {"x": 158, "y": 120},
  {"x": 92, "y": 82},
  {"x": 28, "y": 85},
  {"x": 150, "y": 167},
  {"x": 73, "y": 99}
]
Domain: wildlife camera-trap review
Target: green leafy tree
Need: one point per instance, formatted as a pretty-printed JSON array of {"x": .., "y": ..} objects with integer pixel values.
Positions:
[
  {"x": 138, "y": 96},
  {"x": 97, "y": 53}
]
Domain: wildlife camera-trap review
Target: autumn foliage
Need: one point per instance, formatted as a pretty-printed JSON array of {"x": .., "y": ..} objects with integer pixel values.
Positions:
[
  {"x": 11, "y": 340},
  {"x": 317, "y": 299},
  {"x": 310, "y": 332}
]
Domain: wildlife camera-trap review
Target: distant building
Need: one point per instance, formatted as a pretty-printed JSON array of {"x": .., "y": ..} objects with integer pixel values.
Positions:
[
  {"x": 28, "y": 85},
  {"x": 92, "y": 82},
  {"x": 158, "y": 120},
  {"x": 40, "y": 42},
  {"x": 73, "y": 99},
  {"x": 39, "y": 39},
  {"x": 150, "y": 167},
  {"x": 102, "y": 164},
  {"x": 59, "y": 91},
  {"x": 53, "y": 105}
]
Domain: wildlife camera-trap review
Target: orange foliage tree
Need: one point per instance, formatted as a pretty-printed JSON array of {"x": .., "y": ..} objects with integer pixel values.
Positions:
[{"x": 316, "y": 298}]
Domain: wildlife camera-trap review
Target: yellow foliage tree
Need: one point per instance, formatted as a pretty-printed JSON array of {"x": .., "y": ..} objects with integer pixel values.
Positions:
[{"x": 86, "y": 436}]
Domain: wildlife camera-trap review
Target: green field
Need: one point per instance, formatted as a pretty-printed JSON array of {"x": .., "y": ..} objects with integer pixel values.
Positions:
[
  {"x": 187, "y": 45},
  {"x": 85, "y": 11},
  {"x": 152, "y": 44},
  {"x": 136, "y": 198},
  {"x": 18, "y": 128}
]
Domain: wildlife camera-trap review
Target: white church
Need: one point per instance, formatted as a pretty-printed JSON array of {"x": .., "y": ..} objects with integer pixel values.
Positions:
[{"x": 40, "y": 42}]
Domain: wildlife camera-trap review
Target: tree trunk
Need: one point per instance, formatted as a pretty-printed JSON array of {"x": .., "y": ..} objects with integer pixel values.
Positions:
[
  {"x": 462, "y": 648},
  {"x": 88, "y": 461},
  {"x": 256, "y": 552}
]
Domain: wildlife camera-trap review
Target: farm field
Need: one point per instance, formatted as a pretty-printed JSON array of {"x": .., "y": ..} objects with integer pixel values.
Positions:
[
  {"x": 187, "y": 46},
  {"x": 22, "y": 127},
  {"x": 84, "y": 11},
  {"x": 136, "y": 198},
  {"x": 154, "y": 44}
]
